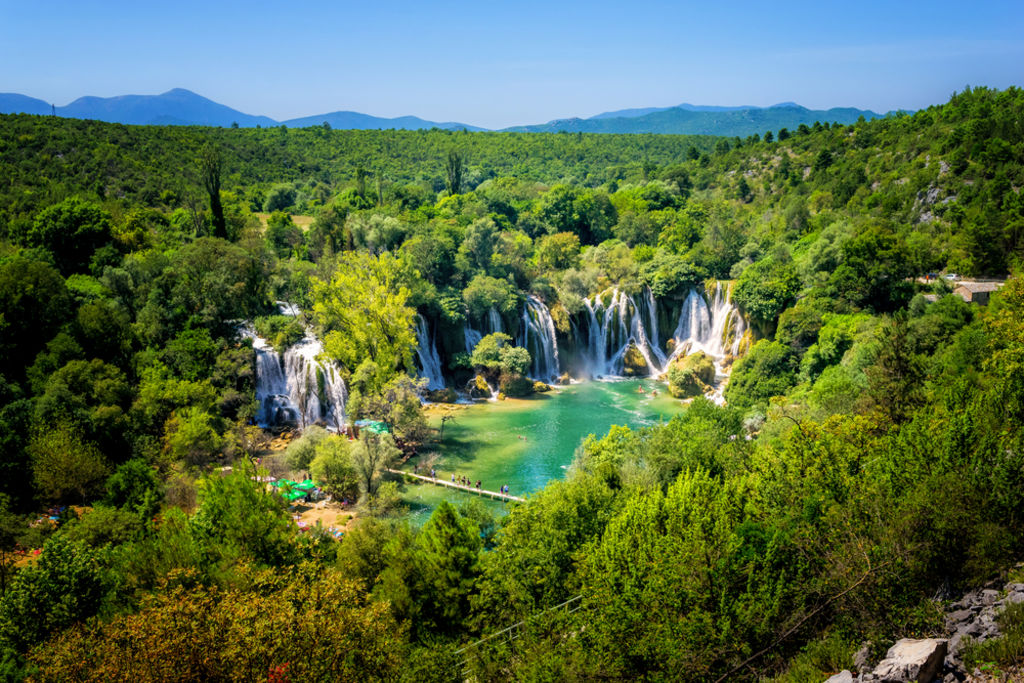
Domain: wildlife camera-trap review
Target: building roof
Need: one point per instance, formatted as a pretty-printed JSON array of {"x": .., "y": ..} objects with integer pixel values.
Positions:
[{"x": 976, "y": 287}]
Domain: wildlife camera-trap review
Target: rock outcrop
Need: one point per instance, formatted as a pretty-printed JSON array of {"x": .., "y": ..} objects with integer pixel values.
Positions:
[{"x": 972, "y": 618}]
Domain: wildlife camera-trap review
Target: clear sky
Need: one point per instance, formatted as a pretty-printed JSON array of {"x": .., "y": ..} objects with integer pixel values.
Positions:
[{"x": 497, "y": 64}]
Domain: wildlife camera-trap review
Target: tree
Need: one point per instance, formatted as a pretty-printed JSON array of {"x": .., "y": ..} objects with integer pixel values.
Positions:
[
  {"x": 372, "y": 454},
  {"x": 896, "y": 378},
  {"x": 768, "y": 369},
  {"x": 67, "y": 468},
  {"x": 333, "y": 468},
  {"x": 71, "y": 230},
  {"x": 210, "y": 166},
  {"x": 65, "y": 586},
  {"x": 191, "y": 437},
  {"x": 454, "y": 168},
  {"x": 238, "y": 519},
  {"x": 365, "y": 313},
  {"x": 34, "y": 303},
  {"x": 766, "y": 288},
  {"x": 136, "y": 487}
]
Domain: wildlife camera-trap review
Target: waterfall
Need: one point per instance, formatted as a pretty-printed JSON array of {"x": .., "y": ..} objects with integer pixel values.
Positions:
[
  {"x": 471, "y": 338},
  {"x": 494, "y": 321},
  {"x": 537, "y": 335},
  {"x": 298, "y": 387},
  {"x": 717, "y": 330},
  {"x": 491, "y": 324},
  {"x": 426, "y": 351},
  {"x": 616, "y": 322}
]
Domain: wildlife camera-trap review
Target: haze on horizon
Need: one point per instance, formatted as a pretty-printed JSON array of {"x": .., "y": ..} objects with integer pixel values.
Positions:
[{"x": 498, "y": 66}]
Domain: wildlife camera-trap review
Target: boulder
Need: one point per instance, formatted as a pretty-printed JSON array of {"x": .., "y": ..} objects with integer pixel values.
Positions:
[
  {"x": 564, "y": 379},
  {"x": 691, "y": 375},
  {"x": 515, "y": 386},
  {"x": 541, "y": 387},
  {"x": 446, "y": 395},
  {"x": 633, "y": 362},
  {"x": 911, "y": 660},
  {"x": 841, "y": 677}
]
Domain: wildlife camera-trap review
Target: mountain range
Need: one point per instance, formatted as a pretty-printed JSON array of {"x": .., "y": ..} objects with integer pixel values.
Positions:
[{"x": 183, "y": 107}]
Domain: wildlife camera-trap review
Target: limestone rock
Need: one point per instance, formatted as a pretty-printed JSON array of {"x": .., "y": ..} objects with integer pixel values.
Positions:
[
  {"x": 862, "y": 658},
  {"x": 841, "y": 677},
  {"x": 633, "y": 362},
  {"x": 911, "y": 660}
]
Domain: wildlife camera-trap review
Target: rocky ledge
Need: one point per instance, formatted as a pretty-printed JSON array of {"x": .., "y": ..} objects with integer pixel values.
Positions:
[{"x": 973, "y": 617}]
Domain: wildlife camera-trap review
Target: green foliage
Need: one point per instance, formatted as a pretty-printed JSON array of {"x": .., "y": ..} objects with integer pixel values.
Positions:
[
  {"x": 66, "y": 585},
  {"x": 333, "y": 468},
  {"x": 71, "y": 230},
  {"x": 768, "y": 369},
  {"x": 364, "y": 311},
  {"x": 670, "y": 276},
  {"x": 691, "y": 375},
  {"x": 1004, "y": 651},
  {"x": 239, "y": 520},
  {"x": 66, "y": 467},
  {"x": 135, "y": 486},
  {"x": 765, "y": 289},
  {"x": 484, "y": 293}
]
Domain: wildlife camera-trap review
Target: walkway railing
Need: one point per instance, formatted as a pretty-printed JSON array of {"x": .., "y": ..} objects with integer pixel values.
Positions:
[{"x": 461, "y": 487}]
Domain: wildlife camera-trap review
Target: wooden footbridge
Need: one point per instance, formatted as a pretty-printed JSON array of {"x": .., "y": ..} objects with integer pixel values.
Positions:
[{"x": 508, "y": 498}]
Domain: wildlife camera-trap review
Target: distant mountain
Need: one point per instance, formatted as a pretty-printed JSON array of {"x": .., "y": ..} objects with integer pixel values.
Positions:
[
  {"x": 353, "y": 120},
  {"x": 687, "y": 119},
  {"x": 174, "y": 107},
  {"x": 13, "y": 103},
  {"x": 181, "y": 107}
]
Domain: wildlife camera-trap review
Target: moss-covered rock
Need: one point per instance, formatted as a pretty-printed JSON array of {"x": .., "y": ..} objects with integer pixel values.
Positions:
[
  {"x": 633, "y": 363},
  {"x": 515, "y": 385},
  {"x": 482, "y": 385},
  {"x": 446, "y": 395},
  {"x": 564, "y": 379},
  {"x": 540, "y": 388},
  {"x": 691, "y": 375}
]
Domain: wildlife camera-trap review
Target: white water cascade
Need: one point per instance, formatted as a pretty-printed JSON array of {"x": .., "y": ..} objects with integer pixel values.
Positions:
[
  {"x": 537, "y": 335},
  {"x": 617, "y": 321},
  {"x": 492, "y": 323},
  {"x": 426, "y": 351},
  {"x": 297, "y": 388},
  {"x": 716, "y": 330}
]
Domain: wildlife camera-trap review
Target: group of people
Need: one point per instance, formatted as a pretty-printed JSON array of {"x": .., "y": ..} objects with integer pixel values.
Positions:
[{"x": 464, "y": 481}]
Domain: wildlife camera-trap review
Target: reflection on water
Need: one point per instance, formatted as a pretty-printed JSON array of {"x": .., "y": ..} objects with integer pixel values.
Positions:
[{"x": 524, "y": 444}]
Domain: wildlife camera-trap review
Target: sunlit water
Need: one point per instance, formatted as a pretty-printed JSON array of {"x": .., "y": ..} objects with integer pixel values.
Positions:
[{"x": 527, "y": 443}]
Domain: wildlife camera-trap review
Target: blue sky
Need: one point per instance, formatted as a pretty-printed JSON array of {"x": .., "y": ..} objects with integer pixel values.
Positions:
[{"x": 497, "y": 64}]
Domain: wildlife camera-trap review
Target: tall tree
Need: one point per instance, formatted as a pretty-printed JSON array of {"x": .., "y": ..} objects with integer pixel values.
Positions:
[
  {"x": 210, "y": 163},
  {"x": 454, "y": 168}
]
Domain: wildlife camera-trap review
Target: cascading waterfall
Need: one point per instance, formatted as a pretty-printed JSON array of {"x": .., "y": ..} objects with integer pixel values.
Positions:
[
  {"x": 537, "y": 335},
  {"x": 297, "y": 388},
  {"x": 616, "y": 322},
  {"x": 716, "y": 330},
  {"x": 426, "y": 351},
  {"x": 492, "y": 323},
  {"x": 471, "y": 338}
]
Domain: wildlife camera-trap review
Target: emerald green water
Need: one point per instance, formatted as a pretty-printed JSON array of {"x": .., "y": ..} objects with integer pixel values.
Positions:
[{"x": 527, "y": 443}]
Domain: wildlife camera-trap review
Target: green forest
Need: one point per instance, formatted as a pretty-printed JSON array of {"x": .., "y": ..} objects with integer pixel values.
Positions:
[{"x": 867, "y": 457}]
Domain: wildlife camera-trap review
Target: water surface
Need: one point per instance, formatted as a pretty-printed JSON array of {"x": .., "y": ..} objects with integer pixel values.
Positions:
[{"x": 526, "y": 443}]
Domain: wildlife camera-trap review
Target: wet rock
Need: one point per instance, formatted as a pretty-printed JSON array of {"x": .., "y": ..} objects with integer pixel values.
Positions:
[{"x": 912, "y": 660}]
